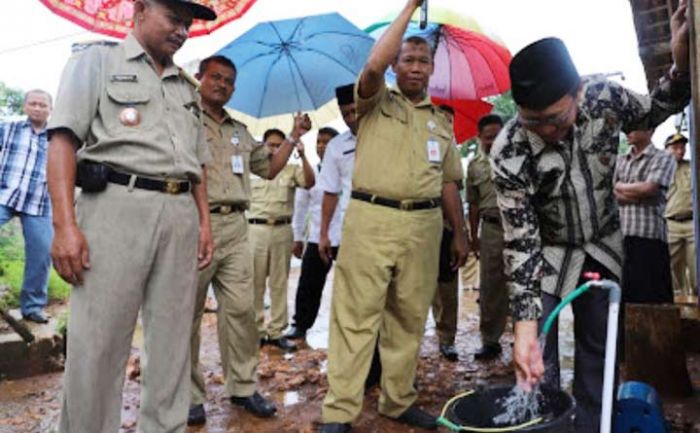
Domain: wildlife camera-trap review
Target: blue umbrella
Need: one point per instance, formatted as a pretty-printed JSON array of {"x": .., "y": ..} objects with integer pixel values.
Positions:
[{"x": 296, "y": 64}]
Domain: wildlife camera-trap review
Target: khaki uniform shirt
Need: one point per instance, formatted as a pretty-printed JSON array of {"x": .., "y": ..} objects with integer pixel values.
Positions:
[
  {"x": 128, "y": 117},
  {"x": 226, "y": 141},
  {"x": 275, "y": 198},
  {"x": 680, "y": 199},
  {"x": 392, "y": 148},
  {"x": 480, "y": 190}
]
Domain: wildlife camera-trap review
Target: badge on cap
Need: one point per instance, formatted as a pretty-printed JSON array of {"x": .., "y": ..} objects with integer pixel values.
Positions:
[{"x": 130, "y": 117}]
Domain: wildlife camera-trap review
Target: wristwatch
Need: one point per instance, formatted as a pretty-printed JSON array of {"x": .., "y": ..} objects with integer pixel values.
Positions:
[{"x": 292, "y": 140}]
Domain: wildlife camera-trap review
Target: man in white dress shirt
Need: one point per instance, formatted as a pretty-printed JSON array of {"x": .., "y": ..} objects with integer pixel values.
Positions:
[{"x": 306, "y": 224}]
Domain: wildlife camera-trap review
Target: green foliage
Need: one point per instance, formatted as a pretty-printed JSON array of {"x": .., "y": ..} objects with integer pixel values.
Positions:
[
  {"x": 469, "y": 148},
  {"x": 11, "y": 100},
  {"x": 503, "y": 105},
  {"x": 624, "y": 144},
  {"x": 12, "y": 267}
]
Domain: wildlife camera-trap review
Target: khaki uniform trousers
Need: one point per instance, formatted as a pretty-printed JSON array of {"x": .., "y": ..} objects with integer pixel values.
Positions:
[
  {"x": 143, "y": 256},
  {"x": 385, "y": 280},
  {"x": 681, "y": 244},
  {"x": 493, "y": 295},
  {"x": 445, "y": 310},
  {"x": 272, "y": 252},
  {"x": 470, "y": 272},
  {"x": 230, "y": 274}
]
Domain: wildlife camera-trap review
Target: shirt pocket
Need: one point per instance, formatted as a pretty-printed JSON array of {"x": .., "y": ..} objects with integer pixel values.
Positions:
[
  {"x": 392, "y": 122},
  {"x": 121, "y": 101}
]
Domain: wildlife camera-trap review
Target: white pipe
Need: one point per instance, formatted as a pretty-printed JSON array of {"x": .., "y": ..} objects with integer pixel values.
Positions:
[{"x": 610, "y": 355}]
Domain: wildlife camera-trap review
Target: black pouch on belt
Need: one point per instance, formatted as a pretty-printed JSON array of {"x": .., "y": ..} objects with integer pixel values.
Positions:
[{"x": 92, "y": 176}]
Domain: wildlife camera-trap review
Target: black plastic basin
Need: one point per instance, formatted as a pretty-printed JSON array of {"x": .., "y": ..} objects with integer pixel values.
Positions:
[{"x": 479, "y": 409}]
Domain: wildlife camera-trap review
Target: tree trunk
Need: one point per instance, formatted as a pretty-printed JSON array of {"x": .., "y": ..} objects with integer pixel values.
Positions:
[{"x": 654, "y": 350}]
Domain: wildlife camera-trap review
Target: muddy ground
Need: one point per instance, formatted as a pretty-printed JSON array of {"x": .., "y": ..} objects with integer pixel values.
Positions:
[{"x": 297, "y": 383}]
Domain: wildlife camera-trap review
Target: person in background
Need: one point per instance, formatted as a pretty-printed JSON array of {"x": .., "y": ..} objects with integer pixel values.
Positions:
[
  {"x": 23, "y": 194},
  {"x": 487, "y": 239},
  {"x": 307, "y": 219},
  {"x": 236, "y": 156},
  {"x": 445, "y": 305},
  {"x": 679, "y": 218},
  {"x": 272, "y": 240},
  {"x": 642, "y": 178}
]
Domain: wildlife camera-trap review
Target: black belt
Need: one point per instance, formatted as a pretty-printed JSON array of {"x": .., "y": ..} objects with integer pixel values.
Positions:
[
  {"x": 270, "y": 221},
  {"x": 226, "y": 209},
  {"x": 491, "y": 219},
  {"x": 397, "y": 204},
  {"x": 168, "y": 186},
  {"x": 681, "y": 219}
]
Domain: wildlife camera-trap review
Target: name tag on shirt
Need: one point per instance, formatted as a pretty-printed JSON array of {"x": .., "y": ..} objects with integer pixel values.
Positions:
[
  {"x": 237, "y": 164},
  {"x": 433, "y": 151}
]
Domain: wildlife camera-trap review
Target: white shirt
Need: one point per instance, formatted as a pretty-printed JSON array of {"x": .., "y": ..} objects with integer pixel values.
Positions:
[
  {"x": 336, "y": 176},
  {"x": 307, "y": 202}
]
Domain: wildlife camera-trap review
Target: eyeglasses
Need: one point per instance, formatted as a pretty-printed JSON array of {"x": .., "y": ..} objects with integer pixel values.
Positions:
[{"x": 556, "y": 120}]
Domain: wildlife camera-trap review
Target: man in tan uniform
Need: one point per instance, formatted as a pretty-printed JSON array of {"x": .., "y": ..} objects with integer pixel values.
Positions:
[
  {"x": 484, "y": 214},
  {"x": 270, "y": 218},
  {"x": 679, "y": 218},
  {"x": 136, "y": 241},
  {"x": 445, "y": 307},
  {"x": 235, "y": 154},
  {"x": 406, "y": 167}
]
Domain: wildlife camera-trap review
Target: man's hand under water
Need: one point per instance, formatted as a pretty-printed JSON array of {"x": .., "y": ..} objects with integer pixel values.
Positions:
[{"x": 527, "y": 355}]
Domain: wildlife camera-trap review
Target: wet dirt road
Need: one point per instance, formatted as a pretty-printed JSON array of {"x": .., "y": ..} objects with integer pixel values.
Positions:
[{"x": 297, "y": 383}]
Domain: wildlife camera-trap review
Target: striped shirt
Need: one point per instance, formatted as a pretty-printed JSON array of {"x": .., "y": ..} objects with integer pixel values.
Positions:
[
  {"x": 23, "y": 169},
  {"x": 556, "y": 200},
  {"x": 646, "y": 219}
]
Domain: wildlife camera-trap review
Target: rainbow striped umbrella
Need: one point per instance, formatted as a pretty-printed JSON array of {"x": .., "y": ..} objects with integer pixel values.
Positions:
[{"x": 468, "y": 65}]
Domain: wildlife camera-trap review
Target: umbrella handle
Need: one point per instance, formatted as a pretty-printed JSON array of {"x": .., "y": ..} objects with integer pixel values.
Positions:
[{"x": 424, "y": 15}]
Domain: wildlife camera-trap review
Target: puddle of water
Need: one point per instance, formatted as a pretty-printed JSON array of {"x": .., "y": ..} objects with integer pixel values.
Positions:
[{"x": 291, "y": 398}]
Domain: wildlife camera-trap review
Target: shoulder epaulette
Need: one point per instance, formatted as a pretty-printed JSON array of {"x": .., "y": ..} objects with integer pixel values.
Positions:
[
  {"x": 82, "y": 46},
  {"x": 231, "y": 114},
  {"x": 189, "y": 78}
]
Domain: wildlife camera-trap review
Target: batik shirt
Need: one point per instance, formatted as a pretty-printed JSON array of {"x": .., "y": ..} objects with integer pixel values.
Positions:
[{"x": 556, "y": 200}]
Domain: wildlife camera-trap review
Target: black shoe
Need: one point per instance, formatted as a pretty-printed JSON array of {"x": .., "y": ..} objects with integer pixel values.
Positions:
[
  {"x": 196, "y": 415},
  {"x": 449, "y": 352},
  {"x": 36, "y": 317},
  {"x": 283, "y": 344},
  {"x": 417, "y": 418},
  {"x": 334, "y": 427},
  {"x": 255, "y": 404},
  {"x": 295, "y": 333},
  {"x": 488, "y": 352}
]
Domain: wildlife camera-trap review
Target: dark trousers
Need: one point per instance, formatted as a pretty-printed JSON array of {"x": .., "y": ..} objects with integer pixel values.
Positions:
[
  {"x": 646, "y": 273},
  {"x": 310, "y": 288},
  {"x": 308, "y": 300},
  {"x": 590, "y": 330}
]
